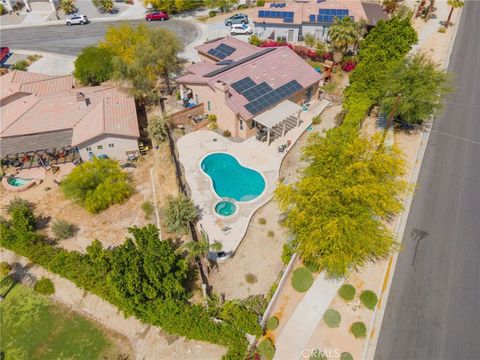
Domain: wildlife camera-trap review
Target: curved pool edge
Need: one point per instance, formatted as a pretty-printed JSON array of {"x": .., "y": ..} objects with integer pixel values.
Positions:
[{"x": 7, "y": 186}]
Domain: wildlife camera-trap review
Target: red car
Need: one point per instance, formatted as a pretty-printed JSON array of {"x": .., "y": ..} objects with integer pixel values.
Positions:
[
  {"x": 4, "y": 54},
  {"x": 158, "y": 15}
]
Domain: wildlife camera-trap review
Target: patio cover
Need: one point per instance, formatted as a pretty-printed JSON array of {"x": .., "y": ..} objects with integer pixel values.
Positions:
[{"x": 277, "y": 114}]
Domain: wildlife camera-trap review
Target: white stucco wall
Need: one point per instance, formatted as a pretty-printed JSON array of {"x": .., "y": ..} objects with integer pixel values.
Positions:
[
  {"x": 118, "y": 151},
  {"x": 264, "y": 31},
  {"x": 321, "y": 34}
]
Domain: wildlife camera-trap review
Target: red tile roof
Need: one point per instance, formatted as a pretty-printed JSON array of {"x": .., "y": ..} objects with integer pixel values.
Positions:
[{"x": 242, "y": 48}]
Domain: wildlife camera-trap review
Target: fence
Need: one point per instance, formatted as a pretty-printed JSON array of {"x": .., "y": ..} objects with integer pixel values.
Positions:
[{"x": 183, "y": 117}]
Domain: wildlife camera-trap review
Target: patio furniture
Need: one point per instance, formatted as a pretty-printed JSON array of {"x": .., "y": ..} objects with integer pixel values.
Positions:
[{"x": 282, "y": 148}]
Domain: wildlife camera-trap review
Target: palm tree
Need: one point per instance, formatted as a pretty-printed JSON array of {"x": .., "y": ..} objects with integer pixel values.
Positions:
[
  {"x": 107, "y": 5},
  {"x": 454, "y": 4},
  {"x": 342, "y": 34},
  {"x": 67, "y": 6}
]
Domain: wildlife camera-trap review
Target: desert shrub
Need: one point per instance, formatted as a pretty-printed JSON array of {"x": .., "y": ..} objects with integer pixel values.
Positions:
[
  {"x": 369, "y": 299},
  {"x": 67, "y": 6},
  {"x": 44, "y": 286},
  {"x": 212, "y": 13},
  {"x": 317, "y": 120},
  {"x": 33, "y": 58},
  {"x": 442, "y": 29},
  {"x": 346, "y": 292},
  {"x": 63, "y": 229},
  {"x": 332, "y": 318},
  {"x": 250, "y": 278},
  {"x": 242, "y": 6},
  {"x": 309, "y": 40},
  {"x": 18, "y": 202},
  {"x": 5, "y": 268},
  {"x": 158, "y": 128},
  {"x": 21, "y": 65},
  {"x": 272, "y": 323},
  {"x": 97, "y": 184},
  {"x": 148, "y": 209},
  {"x": 255, "y": 40},
  {"x": 256, "y": 304},
  {"x": 178, "y": 212},
  {"x": 302, "y": 279},
  {"x": 346, "y": 356},
  {"x": 3, "y": 10},
  {"x": 260, "y": 2},
  {"x": 271, "y": 233},
  {"x": 287, "y": 252},
  {"x": 212, "y": 117},
  {"x": 318, "y": 355},
  {"x": 262, "y": 221},
  {"x": 227, "y": 133},
  {"x": 266, "y": 349},
  {"x": 359, "y": 330}
]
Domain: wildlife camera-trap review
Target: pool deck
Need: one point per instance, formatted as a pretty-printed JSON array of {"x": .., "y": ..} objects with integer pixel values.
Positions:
[{"x": 251, "y": 153}]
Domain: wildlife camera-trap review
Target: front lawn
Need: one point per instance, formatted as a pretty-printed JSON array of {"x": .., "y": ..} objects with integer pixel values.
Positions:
[{"x": 35, "y": 328}]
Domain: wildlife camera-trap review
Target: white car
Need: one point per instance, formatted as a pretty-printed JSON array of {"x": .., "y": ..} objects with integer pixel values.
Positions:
[
  {"x": 241, "y": 29},
  {"x": 77, "y": 19}
]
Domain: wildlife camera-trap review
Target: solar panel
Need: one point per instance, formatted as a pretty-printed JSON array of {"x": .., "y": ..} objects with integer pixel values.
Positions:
[
  {"x": 312, "y": 18},
  {"x": 288, "y": 20},
  {"x": 241, "y": 85},
  {"x": 273, "y": 97},
  {"x": 221, "y": 51},
  {"x": 261, "y": 13},
  {"x": 239, "y": 62},
  {"x": 257, "y": 91}
]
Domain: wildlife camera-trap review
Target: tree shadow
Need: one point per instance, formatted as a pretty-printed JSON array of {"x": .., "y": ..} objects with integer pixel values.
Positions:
[{"x": 42, "y": 222}]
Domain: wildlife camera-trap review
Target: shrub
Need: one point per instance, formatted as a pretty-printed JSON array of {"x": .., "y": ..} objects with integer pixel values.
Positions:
[
  {"x": 369, "y": 299},
  {"x": 260, "y": 2},
  {"x": 262, "y": 221},
  {"x": 227, "y": 133},
  {"x": 272, "y": 323},
  {"x": 266, "y": 349},
  {"x": 178, "y": 212},
  {"x": 332, "y": 318},
  {"x": 212, "y": 118},
  {"x": 271, "y": 233},
  {"x": 67, "y": 6},
  {"x": 346, "y": 292},
  {"x": 97, "y": 184},
  {"x": 21, "y": 65},
  {"x": 5, "y": 268},
  {"x": 242, "y": 6},
  {"x": 318, "y": 355},
  {"x": 255, "y": 40},
  {"x": 287, "y": 252},
  {"x": 33, "y": 58},
  {"x": 442, "y": 29},
  {"x": 302, "y": 279},
  {"x": 158, "y": 128},
  {"x": 349, "y": 65},
  {"x": 18, "y": 202},
  {"x": 346, "y": 356},
  {"x": 44, "y": 286},
  {"x": 62, "y": 229},
  {"x": 94, "y": 65},
  {"x": 239, "y": 317},
  {"x": 317, "y": 119},
  {"x": 148, "y": 209},
  {"x": 212, "y": 13},
  {"x": 359, "y": 330},
  {"x": 309, "y": 40},
  {"x": 3, "y": 10},
  {"x": 250, "y": 278}
]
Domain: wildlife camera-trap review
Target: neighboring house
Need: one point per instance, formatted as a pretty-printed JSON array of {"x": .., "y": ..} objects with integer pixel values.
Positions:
[
  {"x": 290, "y": 21},
  {"x": 47, "y": 113},
  {"x": 240, "y": 83}
]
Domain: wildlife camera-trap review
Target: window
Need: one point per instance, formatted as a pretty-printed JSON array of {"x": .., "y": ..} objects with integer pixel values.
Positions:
[
  {"x": 88, "y": 148},
  {"x": 209, "y": 107},
  {"x": 241, "y": 124},
  {"x": 111, "y": 145},
  {"x": 100, "y": 147}
]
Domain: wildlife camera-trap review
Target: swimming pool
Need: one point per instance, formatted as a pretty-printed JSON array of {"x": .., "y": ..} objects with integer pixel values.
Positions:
[
  {"x": 16, "y": 181},
  {"x": 232, "y": 180},
  {"x": 225, "y": 208}
]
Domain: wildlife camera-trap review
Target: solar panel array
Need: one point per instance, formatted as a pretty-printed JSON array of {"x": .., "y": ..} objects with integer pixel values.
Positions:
[
  {"x": 241, "y": 85},
  {"x": 221, "y": 51},
  {"x": 287, "y": 16},
  {"x": 273, "y": 97},
  {"x": 328, "y": 15},
  {"x": 278, "y": 5},
  {"x": 257, "y": 91}
]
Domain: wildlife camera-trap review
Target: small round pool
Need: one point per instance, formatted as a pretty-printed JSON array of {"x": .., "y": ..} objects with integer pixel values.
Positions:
[
  {"x": 16, "y": 181},
  {"x": 225, "y": 208}
]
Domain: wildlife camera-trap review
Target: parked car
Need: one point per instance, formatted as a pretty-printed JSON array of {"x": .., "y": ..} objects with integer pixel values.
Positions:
[
  {"x": 157, "y": 15},
  {"x": 77, "y": 19},
  {"x": 4, "y": 54},
  {"x": 241, "y": 29},
  {"x": 236, "y": 19}
]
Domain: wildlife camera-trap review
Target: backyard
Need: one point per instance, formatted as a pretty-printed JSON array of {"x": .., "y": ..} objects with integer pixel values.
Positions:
[{"x": 33, "y": 327}]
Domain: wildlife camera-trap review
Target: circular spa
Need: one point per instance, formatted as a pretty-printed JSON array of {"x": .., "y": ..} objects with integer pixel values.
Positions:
[{"x": 225, "y": 208}]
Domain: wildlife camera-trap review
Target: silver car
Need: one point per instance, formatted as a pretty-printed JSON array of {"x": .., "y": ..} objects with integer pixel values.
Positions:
[{"x": 77, "y": 19}]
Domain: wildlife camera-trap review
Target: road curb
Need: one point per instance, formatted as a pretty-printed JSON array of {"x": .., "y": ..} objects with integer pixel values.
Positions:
[{"x": 377, "y": 318}]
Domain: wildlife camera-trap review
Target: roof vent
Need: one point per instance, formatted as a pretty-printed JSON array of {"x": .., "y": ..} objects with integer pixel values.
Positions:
[{"x": 80, "y": 96}]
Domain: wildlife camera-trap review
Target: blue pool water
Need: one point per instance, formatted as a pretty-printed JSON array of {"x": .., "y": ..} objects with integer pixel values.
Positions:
[
  {"x": 232, "y": 180},
  {"x": 225, "y": 208},
  {"x": 15, "y": 181}
]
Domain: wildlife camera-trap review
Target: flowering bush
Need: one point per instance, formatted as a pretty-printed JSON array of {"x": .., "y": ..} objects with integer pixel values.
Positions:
[
  {"x": 349, "y": 65},
  {"x": 273, "y": 43}
]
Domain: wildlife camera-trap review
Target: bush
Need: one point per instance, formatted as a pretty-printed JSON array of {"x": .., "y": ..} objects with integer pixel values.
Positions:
[
  {"x": 94, "y": 65},
  {"x": 44, "y": 286},
  {"x": 346, "y": 292},
  {"x": 148, "y": 209},
  {"x": 97, "y": 184},
  {"x": 62, "y": 229},
  {"x": 5, "y": 268},
  {"x": 158, "y": 128},
  {"x": 260, "y": 2},
  {"x": 21, "y": 65},
  {"x": 266, "y": 349},
  {"x": 33, "y": 58},
  {"x": 262, "y": 221},
  {"x": 359, "y": 330},
  {"x": 302, "y": 279},
  {"x": 67, "y": 6},
  {"x": 239, "y": 317},
  {"x": 346, "y": 356},
  {"x": 271, "y": 233},
  {"x": 442, "y": 29},
  {"x": 318, "y": 355},
  {"x": 272, "y": 323},
  {"x": 227, "y": 133},
  {"x": 332, "y": 318},
  {"x": 287, "y": 253},
  {"x": 178, "y": 212},
  {"x": 369, "y": 299},
  {"x": 242, "y": 6},
  {"x": 317, "y": 119},
  {"x": 18, "y": 202},
  {"x": 212, "y": 13},
  {"x": 255, "y": 40},
  {"x": 250, "y": 278},
  {"x": 3, "y": 11},
  {"x": 212, "y": 118}
]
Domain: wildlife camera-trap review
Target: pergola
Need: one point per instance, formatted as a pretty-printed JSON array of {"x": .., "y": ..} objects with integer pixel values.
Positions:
[{"x": 285, "y": 115}]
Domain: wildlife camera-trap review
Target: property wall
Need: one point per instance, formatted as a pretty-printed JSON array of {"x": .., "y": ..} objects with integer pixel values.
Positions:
[
  {"x": 317, "y": 30},
  {"x": 118, "y": 151},
  {"x": 265, "y": 30},
  {"x": 182, "y": 117}
]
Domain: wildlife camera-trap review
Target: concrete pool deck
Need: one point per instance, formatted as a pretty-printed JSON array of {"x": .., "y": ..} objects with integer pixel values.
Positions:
[{"x": 251, "y": 153}]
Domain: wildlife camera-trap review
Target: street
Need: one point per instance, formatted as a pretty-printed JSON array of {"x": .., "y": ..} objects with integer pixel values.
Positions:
[
  {"x": 69, "y": 40},
  {"x": 432, "y": 311}
]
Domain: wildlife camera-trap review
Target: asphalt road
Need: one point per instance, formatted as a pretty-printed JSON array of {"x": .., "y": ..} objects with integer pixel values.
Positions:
[
  {"x": 69, "y": 40},
  {"x": 433, "y": 310}
]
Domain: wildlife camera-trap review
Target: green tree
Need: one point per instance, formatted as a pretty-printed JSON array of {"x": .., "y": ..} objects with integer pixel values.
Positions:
[
  {"x": 178, "y": 213},
  {"x": 455, "y": 4},
  {"x": 93, "y": 65},
  {"x": 422, "y": 85},
  {"x": 223, "y": 5},
  {"x": 338, "y": 209},
  {"x": 145, "y": 269},
  {"x": 342, "y": 34},
  {"x": 67, "y": 6},
  {"x": 97, "y": 184},
  {"x": 158, "y": 128},
  {"x": 124, "y": 39}
]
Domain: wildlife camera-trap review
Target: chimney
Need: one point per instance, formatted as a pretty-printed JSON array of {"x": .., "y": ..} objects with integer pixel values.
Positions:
[
  {"x": 80, "y": 96},
  {"x": 224, "y": 88}
]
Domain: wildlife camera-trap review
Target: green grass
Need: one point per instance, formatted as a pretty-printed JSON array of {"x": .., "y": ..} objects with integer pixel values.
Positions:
[
  {"x": 302, "y": 279},
  {"x": 346, "y": 292},
  {"x": 369, "y": 299},
  {"x": 34, "y": 328},
  {"x": 332, "y": 318}
]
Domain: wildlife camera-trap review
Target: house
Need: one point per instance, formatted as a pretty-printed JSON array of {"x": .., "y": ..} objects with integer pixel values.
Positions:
[
  {"x": 291, "y": 21},
  {"x": 249, "y": 88},
  {"x": 42, "y": 113}
]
